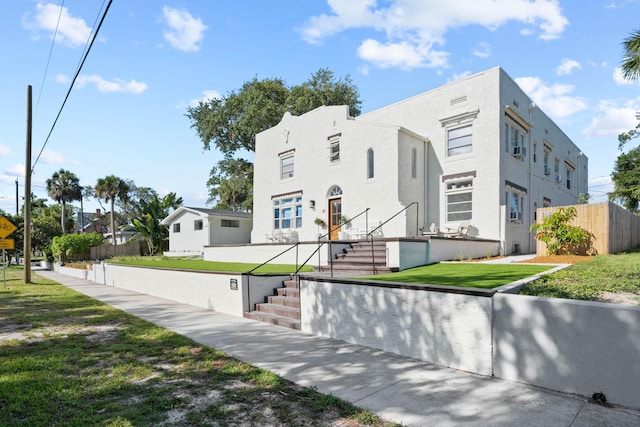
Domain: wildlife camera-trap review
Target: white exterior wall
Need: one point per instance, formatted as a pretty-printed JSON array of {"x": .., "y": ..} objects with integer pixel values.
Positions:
[
  {"x": 315, "y": 175},
  {"x": 448, "y": 329},
  {"x": 188, "y": 239},
  {"x": 219, "y": 235}
]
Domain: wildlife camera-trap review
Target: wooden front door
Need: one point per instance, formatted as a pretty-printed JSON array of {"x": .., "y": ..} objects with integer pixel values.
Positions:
[{"x": 335, "y": 211}]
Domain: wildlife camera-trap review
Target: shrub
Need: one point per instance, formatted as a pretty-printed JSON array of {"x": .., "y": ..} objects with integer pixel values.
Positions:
[
  {"x": 561, "y": 237},
  {"x": 74, "y": 247}
]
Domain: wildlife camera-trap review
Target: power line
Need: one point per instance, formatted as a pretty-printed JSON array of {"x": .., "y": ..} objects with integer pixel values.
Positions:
[
  {"x": 75, "y": 77},
  {"x": 46, "y": 68}
]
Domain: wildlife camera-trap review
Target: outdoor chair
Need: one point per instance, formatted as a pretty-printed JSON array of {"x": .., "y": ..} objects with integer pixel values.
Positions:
[
  {"x": 433, "y": 230},
  {"x": 461, "y": 232}
]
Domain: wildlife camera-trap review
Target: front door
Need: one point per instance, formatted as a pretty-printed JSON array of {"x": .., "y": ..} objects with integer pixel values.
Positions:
[{"x": 335, "y": 212}]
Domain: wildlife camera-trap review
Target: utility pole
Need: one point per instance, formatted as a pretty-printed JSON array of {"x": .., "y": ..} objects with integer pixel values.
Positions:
[
  {"x": 16, "y": 196},
  {"x": 27, "y": 196}
]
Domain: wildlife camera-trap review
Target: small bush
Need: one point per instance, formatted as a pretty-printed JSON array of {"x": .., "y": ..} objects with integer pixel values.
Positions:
[
  {"x": 561, "y": 237},
  {"x": 74, "y": 247}
]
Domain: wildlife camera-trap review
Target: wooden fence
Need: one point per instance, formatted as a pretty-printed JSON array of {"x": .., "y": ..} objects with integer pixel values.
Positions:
[
  {"x": 614, "y": 229},
  {"x": 130, "y": 248}
]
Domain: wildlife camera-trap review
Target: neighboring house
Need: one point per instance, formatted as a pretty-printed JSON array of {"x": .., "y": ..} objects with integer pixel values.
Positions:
[
  {"x": 92, "y": 222},
  {"x": 122, "y": 236},
  {"x": 474, "y": 153},
  {"x": 190, "y": 229}
]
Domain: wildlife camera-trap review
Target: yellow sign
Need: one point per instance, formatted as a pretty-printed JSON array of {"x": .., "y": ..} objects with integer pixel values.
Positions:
[
  {"x": 7, "y": 244},
  {"x": 6, "y": 227}
]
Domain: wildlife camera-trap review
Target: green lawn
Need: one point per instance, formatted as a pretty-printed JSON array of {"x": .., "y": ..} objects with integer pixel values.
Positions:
[
  {"x": 588, "y": 280},
  {"x": 69, "y": 360},
  {"x": 467, "y": 275},
  {"x": 195, "y": 264}
]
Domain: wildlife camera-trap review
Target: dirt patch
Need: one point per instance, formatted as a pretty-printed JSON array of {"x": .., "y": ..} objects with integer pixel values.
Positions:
[{"x": 557, "y": 259}]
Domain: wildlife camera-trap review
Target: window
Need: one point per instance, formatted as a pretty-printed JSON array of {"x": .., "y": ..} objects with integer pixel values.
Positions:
[
  {"x": 459, "y": 141},
  {"x": 286, "y": 166},
  {"x": 514, "y": 141},
  {"x": 287, "y": 212},
  {"x": 198, "y": 224},
  {"x": 515, "y": 202},
  {"x": 414, "y": 163},
  {"x": 545, "y": 160},
  {"x": 370, "y": 163},
  {"x": 334, "y": 148},
  {"x": 459, "y": 200},
  {"x": 535, "y": 152},
  {"x": 569, "y": 174},
  {"x": 556, "y": 169},
  {"x": 176, "y": 227},
  {"x": 231, "y": 223}
]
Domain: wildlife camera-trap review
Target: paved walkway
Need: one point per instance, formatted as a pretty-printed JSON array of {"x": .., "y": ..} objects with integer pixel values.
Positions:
[{"x": 400, "y": 389}]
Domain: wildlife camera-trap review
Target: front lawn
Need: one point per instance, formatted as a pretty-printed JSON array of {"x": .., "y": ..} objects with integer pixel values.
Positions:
[
  {"x": 198, "y": 264},
  {"x": 467, "y": 275},
  {"x": 595, "y": 279}
]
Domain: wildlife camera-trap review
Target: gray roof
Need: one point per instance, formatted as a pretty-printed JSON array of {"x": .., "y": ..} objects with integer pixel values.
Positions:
[{"x": 218, "y": 212}]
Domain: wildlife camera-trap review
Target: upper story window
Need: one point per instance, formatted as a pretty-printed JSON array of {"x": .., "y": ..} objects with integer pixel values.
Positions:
[
  {"x": 556, "y": 170},
  {"x": 198, "y": 224},
  {"x": 545, "y": 160},
  {"x": 459, "y": 200},
  {"x": 414, "y": 163},
  {"x": 535, "y": 152},
  {"x": 569, "y": 175},
  {"x": 286, "y": 165},
  {"x": 176, "y": 227},
  {"x": 515, "y": 203},
  {"x": 459, "y": 141},
  {"x": 370, "y": 163},
  {"x": 514, "y": 141},
  {"x": 334, "y": 148}
]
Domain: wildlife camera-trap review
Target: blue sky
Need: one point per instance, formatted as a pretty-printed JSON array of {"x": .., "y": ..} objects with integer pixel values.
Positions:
[{"x": 151, "y": 60}]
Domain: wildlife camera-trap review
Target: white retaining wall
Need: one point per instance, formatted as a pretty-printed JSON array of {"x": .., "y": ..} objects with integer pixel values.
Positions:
[
  {"x": 448, "y": 329},
  {"x": 213, "y": 291},
  {"x": 571, "y": 346}
]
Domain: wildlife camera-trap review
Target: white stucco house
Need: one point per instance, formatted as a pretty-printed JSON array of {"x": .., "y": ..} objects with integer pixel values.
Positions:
[
  {"x": 191, "y": 229},
  {"x": 474, "y": 153}
]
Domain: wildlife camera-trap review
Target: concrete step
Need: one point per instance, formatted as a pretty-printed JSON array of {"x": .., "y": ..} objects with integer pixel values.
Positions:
[
  {"x": 361, "y": 259},
  {"x": 288, "y": 292},
  {"x": 274, "y": 320},
  {"x": 285, "y": 301},
  {"x": 279, "y": 310}
]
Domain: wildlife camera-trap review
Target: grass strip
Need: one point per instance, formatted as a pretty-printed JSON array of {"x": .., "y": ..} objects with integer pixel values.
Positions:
[
  {"x": 588, "y": 280},
  {"x": 466, "y": 275},
  {"x": 198, "y": 264},
  {"x": 67, "y": 359}
]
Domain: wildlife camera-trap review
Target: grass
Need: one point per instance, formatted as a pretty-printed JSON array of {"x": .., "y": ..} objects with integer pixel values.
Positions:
[
  {"x": 467, "y": 275},
  {"x": 588, "y": 280},
  {"x": 67, "y": 359},
  {"x": 198, "y": 264}
]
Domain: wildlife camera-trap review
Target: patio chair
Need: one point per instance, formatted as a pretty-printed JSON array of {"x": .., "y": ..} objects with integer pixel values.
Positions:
[
  {"x": 433, "y": 230},
  {"x": 458, "y": 233}
]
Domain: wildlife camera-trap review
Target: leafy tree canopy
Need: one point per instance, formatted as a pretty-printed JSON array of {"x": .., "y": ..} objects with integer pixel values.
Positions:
[
  {"x": 147, "y": 221},
  {"x": 626, "y": 180},
  {"x": 110, "y": 189},
  {"x": 230, "y": 125},
  {"x": 64, "y": 187}
]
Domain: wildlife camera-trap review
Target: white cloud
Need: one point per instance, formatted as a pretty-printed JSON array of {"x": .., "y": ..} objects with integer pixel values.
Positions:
[
  {"x": 567, "y": 66},
  {"x": 184, "y": 32},
  {"x": 459, "y": 76},
  {"x": 5, "y": 151},
  {"x": 105, "y": 86},
  {"x": 554, "y": 99},
  {"x": 483, "y": 50},
  {"x": 71, "y": 31},
  {"x": 16, "y": 170},
  {"x": 613, "y": 119},
  {"x": 413, "y": 28},
  {"x": 207, "y": 95},
  {"x": 49, "y": 157}
]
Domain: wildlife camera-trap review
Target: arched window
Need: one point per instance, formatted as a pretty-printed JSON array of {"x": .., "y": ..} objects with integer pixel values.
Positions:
[
  {"x": 335, "y": 191},
  {"x": 370, "y": 164}
]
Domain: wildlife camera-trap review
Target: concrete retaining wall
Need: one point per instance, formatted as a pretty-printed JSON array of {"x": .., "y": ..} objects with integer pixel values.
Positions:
[
  {"x": 571, "y": 346},
  {"x": 449, "y": 329}
]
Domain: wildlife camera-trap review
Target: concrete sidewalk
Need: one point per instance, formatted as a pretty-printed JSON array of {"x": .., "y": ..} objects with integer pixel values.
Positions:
[{"x": 400, "y": 389}]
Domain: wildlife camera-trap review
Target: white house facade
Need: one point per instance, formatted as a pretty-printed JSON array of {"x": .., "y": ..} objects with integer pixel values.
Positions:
[
  {"x": 475, "y": 153},
  {"x": 191, "y": 229}
]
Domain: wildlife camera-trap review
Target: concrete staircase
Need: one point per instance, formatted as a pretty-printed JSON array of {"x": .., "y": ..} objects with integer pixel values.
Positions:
[
  {"x": 283, "y": 308},
  {"x": 361, "y": 259}
]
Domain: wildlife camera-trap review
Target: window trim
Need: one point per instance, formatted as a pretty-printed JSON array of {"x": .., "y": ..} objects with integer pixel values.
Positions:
[
  {"x": 198, "y": 224},
  {"x": 334, "y": 148},
  {"x": 458, "y": 150},
  {"x": 287, "y": 209},
  {"x": 462, "y": 187},
  {"x": 230, "y": 223},
  {"x": 370, "y": 163},
  {"x": 289, "y": 172},
  {"x": 176, "y": 227}
]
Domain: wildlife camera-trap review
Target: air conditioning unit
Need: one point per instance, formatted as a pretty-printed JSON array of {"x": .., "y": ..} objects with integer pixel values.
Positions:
[
  {"x": 518, "y": 151},
  {"x": 515, "y": 216},
  {"x": 558, "y": 178},
  {"x": 547, "y": 170}
]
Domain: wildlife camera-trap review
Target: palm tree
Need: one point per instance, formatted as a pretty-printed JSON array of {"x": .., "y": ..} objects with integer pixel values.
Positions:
[
  {"x": 111, "y": 188},
  {"x": 63, "y": 187},
  {"x": 631, "y": 63}
]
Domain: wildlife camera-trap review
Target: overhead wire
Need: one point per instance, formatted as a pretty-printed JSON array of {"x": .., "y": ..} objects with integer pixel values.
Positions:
[
  {"x": 46, "y": 68},
  {"x": 75, "y": 77}
]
